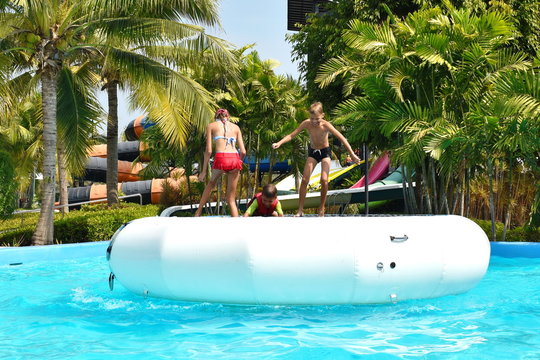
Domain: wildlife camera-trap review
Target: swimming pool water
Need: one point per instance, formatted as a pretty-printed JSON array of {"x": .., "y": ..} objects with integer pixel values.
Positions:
[{"x": 64, "y": 310}]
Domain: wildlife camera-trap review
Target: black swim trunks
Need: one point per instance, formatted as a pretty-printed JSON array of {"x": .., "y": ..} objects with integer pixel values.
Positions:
[{"x": 319, "y": 154}]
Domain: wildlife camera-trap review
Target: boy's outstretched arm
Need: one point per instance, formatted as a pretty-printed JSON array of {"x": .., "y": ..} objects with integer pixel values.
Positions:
[
  {"x": 344, "y": 141},
  {"x": 289, "y": 137}
]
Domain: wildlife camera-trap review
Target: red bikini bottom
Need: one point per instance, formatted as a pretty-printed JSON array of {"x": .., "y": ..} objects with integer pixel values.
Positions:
[{"x": 227, "y": 161}]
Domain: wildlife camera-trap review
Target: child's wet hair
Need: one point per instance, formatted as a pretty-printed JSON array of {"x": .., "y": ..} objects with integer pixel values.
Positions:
[
  {"x": 316, "y": 107},
  {"x": 221, "y": 112},
  {"x": 269, "y": 191}
]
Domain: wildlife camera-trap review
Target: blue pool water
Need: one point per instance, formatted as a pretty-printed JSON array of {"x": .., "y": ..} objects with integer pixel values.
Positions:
[{"x": 64, "y": 310}]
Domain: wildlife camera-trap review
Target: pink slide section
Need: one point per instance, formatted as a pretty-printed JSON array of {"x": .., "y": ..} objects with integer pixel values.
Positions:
[{"x": 377, "y": 171}]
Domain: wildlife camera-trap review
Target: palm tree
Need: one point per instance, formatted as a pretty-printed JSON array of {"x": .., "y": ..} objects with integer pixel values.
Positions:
[
  {"x": 20, "y": 133},
  {"x": 19, "y": 144},
  {"x": 40, "y": 38},
  {"x": 154, "y": 58},
  {"x": 78, "y": 111},
  {"x": 424, "y": 83},
  {"x": 267, "y": 105}
]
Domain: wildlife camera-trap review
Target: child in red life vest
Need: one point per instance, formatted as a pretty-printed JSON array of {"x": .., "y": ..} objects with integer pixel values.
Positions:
[{"x": 265, "y": 203}]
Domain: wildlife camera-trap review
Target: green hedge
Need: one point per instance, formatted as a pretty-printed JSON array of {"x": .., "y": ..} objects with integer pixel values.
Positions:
[
  {"x": 519, "y": 234},
  {"x": 97, "y": 222},
  {"x": 91, "y": 223}
]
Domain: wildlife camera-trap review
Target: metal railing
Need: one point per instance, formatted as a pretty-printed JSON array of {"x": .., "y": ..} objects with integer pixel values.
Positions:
[{"x": 82, "y": 203}]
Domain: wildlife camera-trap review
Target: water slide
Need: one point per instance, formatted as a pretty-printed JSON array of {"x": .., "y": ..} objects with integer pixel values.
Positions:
[
  {"x": 333, "y": 176},
  {"x": 337, "y": 173},
  {"x": 96, "y": 170},
  {"x": 150, "y": 190},
  {"x": 136, "y": 127},
  {"x": 264, "y": 165},
  {"x": 388, "y": 188},
  {"x": 128, "y": 173},
  {"x": 127, "y": 151},
  {"x": 377, "y": 171},
  {"x": 288, "y": 185}
]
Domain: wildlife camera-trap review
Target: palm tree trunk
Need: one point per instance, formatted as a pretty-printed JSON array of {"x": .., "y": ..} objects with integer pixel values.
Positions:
[
  {"x": 491, "y": 199},
  {"x": 425, "y": 189},
  {"x": 31, "y": 190},
  {"x": 468, "y": 192},
  {"x": 509, "y": 201},
  {"x": 418, "y": 189},
  {"x": 256, "y": 184},
  {"x": 434, "y": 187},
  {"x": 534, "y": 215},
  {"x": 270, "y": 169},
  {"x": 112, "y": 144},
  {"x": 44, "y": 233},
  {"x": 404, "y": 191},
  {"x": 411, "y": 193},
  {"x": 62, "y": 177},
  {"x": 444, "y": 197},
  {"x": 462, "y": 194},
  {"x": 188, "y": 184}
]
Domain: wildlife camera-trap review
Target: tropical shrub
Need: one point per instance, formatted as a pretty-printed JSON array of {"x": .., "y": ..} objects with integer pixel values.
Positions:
[
  {"x": 8, "y": 186},
  {"x": 91, "y": 223},
  {"x": 518, "y": 234},
  {"x": 446, "y": 92}
]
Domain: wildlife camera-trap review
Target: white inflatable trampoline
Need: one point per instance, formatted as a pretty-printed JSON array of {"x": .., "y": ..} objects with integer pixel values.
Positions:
[{"x": 308, "y": 261}]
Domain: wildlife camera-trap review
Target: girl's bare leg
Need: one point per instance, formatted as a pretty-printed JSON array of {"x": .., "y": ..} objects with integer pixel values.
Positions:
[
  {"x": 308, "y": 169},
  {"x": 325, "y": 169},
  {"x": 208, "y": 190},
  {"x": 230, "y": 196}
]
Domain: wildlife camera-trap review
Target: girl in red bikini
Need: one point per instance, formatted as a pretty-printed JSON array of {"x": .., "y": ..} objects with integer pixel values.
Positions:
[{"x": 227, "y": 159}]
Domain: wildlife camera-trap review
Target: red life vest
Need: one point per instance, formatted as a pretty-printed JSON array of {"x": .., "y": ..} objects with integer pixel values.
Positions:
[{"x": 261, "y": 209}]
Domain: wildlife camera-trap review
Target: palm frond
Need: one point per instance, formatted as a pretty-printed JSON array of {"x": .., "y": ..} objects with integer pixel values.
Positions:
[
  {"x": 369, "y": 37},
  {"x": 176, "y": 106},
  {"x": 77, "y": 111},
  {"x": 200, "y": 11},
  {"x": 134, "y": 67},
  {"x": 330, "y": 70}
]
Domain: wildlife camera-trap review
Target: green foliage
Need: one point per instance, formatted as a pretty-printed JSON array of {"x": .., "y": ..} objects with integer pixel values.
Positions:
[
  {"x": 91, "y": 223},
  {"x": 8, "y": 186},
  {"x": 20, "y": 130},
  {"x": 445, "y": 90},
  {"x": 78, "y": 111},
  {"x": 143, "y": 46},
  {"x": 518, "y": 234},
  {"x": 180, "y": 193},
  {"x": 321, "y": 40},
  {"x": 268, "y": 107},
  {"x": 166, "y": 156}
]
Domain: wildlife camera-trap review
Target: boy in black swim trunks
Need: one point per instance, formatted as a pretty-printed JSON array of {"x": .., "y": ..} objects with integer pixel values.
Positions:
[{"x": 319, "y": 151}]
